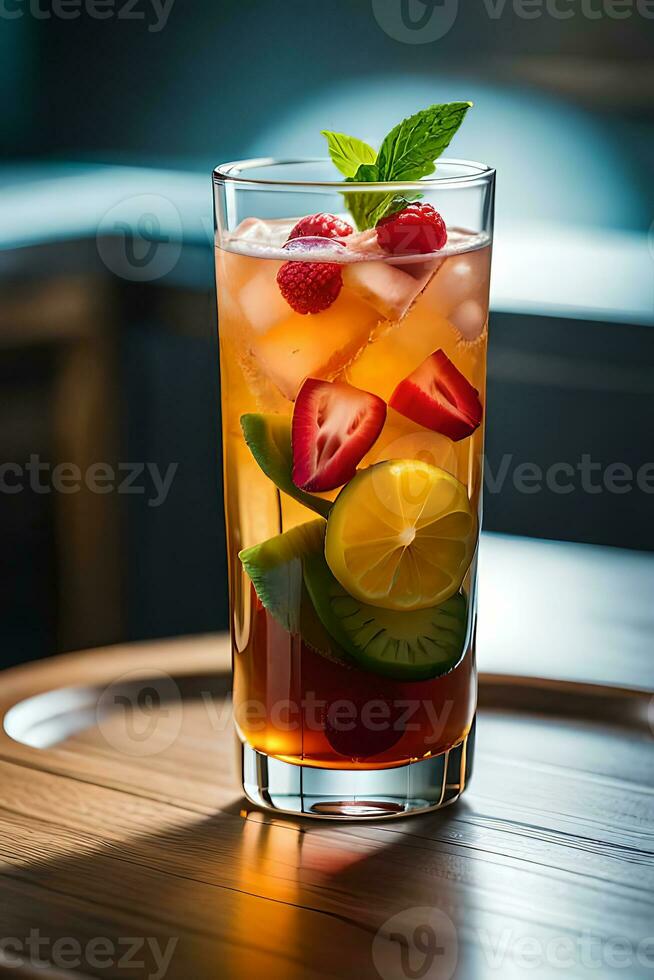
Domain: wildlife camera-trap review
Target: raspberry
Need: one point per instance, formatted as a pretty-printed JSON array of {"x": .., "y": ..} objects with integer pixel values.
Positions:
[
  {"x": 309, "y": 287},
  {"x": 321, "y": 225},
  {"x": 416, "y": 230}
]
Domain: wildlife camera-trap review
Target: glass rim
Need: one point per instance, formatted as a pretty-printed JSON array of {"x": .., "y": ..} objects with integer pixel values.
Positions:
[{"x": 232, "y": 174}]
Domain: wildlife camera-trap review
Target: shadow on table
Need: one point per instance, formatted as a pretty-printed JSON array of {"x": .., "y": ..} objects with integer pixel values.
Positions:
[{"x": 229, "y": 896}]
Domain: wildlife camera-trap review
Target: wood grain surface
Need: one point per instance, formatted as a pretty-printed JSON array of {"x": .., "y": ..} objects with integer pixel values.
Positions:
[{"x": 129, "y": 852}]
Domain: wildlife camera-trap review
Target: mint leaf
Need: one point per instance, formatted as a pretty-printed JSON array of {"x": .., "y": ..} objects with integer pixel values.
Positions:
[
  {"x": 391, "y": 204},
  {"x": 368, "y": 173},
  {"x": 368, "y": 207},
  {"x": 348, "y": 152},
  {"x": 408, "y": 152}
]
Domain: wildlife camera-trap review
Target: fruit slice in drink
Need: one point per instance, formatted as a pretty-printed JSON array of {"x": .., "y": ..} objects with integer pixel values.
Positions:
[
  {"x": 437, "y": 396},
  {"x": 405, "y": 646},
  {"x": 334, "y": 426},
  {"x": 401, "y": 535}
]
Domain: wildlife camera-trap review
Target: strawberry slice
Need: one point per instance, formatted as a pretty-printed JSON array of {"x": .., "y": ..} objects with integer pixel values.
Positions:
[
  {"x": 439, "y": 397},
  {"x": 334, "y": 426}
]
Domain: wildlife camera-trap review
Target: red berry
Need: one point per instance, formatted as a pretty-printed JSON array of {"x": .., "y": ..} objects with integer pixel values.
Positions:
[
  {"x": 321, "y": 225},
  {"x": 310, "y": 287},
  {"x": 416, "y": 230}
]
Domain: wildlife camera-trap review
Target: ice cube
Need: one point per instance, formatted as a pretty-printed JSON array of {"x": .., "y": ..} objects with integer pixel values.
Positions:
[
  {"x": 233, "y": 270},
  {"x": 317, "y": 345},
  {"x": 250, "y": 389},
  {"x": 399, "y": 350},
  {"x": 461, "y": 277},
  {"x": 364, "y": 243},
  {"x": 252, "y": 230},
  {"x": 419, "y": 269},
  {"x": 387, "y": 288},
  {"x": 469, "y": 319},
  {"x": 256, "y": 231},
  {"x": 260, "y": 299}
]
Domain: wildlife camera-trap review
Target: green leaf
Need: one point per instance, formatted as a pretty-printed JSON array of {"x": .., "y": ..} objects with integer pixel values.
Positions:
[
  {"x": 364, "y": 204},
  {"x": 269, "y": 440},
  {"x": 389, "y": 205},
  {"x": 410, "y": 149},
  {"x": 348, "y": 152},
  {"x": 407, "y": 153},
  {"x": 369, "y": 207},
  {"x": 367, "y": 173}
]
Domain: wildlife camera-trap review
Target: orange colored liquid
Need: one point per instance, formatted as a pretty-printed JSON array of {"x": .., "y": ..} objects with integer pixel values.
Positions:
[{"x": 288, "y": 699}]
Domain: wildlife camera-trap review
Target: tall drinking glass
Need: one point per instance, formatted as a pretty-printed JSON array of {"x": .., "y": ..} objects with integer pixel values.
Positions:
[{"x": 353, "y": 405}]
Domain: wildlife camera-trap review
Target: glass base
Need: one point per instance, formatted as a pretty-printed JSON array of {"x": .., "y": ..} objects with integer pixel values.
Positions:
[{"x": 356, "y": 794}]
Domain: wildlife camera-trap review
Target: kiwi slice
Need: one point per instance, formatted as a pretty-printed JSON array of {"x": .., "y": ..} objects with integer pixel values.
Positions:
[
  {"x": 275, "y": 570},
  {"x": 406, "y": 646},
  {"x": 269, "y": 440}
]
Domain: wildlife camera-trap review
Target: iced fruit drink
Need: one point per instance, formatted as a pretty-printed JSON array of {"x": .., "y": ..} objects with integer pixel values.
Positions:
[
  {"x": 353, "y": 391},
  {"x": 353, "y": 376}
]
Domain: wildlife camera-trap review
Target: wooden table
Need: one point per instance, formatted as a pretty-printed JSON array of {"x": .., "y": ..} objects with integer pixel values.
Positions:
[{"x": 133, "y": 848}]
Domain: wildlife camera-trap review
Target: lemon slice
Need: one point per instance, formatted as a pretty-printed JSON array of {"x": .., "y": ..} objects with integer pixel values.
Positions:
[{"x": 401, "y": 535}]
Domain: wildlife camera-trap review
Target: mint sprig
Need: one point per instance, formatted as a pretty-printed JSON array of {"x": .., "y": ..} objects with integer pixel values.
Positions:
[
  {"x": 348, "y": 152},
  {"x": 408, "y": 153}
]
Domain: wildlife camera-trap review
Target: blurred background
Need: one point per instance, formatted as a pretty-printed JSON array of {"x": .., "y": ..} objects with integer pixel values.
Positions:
[{"x": 114, "y": 115}]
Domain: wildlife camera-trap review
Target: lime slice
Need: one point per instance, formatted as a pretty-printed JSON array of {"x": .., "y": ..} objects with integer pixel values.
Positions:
[{"x": 405, "y": 646}]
